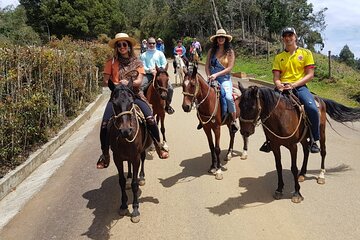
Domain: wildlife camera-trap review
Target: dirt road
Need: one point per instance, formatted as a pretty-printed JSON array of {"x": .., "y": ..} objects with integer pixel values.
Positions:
[{"x": 181, "y": 200}]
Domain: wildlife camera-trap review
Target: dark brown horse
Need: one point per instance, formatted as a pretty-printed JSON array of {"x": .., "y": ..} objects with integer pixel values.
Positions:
[
  {"x": 128, "y": 140},
  {"x": 197, "y": 91},
  {"x": 157, "y": 94},
  {"x": 285, "y": 124}
]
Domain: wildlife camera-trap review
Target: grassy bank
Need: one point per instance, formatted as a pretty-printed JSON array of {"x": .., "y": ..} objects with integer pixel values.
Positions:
[{"x": 343, "y": 86}]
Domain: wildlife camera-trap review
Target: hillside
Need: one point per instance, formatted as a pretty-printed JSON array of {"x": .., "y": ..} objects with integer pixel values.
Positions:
[{"x": 343, "y": 86}]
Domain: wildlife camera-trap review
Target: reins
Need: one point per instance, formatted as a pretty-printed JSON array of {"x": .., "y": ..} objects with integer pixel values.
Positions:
[{"x": 130, "y": 112}]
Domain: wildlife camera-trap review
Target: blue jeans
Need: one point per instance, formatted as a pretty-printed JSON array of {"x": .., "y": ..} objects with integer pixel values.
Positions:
[
  {"x": 227, "y": 100},
  {"x": 307, "y": 99}
]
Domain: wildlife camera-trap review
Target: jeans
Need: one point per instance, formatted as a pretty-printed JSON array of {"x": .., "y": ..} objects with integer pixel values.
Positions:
[{"x": 307, "y": 99}]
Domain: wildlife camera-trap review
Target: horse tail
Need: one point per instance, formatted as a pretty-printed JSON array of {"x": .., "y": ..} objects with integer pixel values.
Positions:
[{"x": 341, "y": 113}]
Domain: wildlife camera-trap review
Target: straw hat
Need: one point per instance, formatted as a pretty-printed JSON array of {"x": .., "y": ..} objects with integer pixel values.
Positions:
[
  {"x": 122, "y": 37},
  {"x": 221, "y": 33}
]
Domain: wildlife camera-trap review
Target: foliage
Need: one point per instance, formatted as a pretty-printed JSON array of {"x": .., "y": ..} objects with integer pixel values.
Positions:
[
  {"x": 347, "y": 56},
  {"x": 13, "y": 28},
  {"x": 40, "y": 89}
]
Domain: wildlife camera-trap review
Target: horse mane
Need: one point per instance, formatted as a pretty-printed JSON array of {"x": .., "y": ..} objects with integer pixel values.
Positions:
[{"x": 270, "y": 98}]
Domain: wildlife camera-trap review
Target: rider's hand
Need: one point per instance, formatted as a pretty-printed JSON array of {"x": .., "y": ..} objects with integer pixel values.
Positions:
[
  {"x": 212, "y": 77},
  {"x": 124, "y": 82}
]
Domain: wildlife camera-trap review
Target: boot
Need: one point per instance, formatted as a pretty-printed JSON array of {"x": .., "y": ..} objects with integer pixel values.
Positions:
[
  {"x": 169, "y": 109},
  {"x": 104, "y": 160},
  {"x": 314, "y": 148},
  {"x": 162, "y": 153},
  {"x": 234, "y": 125},
  {"x": 265, "y": 147},
  {"x": 154, "y": 133}
]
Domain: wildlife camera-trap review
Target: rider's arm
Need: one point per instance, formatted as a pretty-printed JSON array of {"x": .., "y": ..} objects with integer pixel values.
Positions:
[
  {"x": 162, "y": 60},
  {"x": 183, "y": 51},
  {"x": 309, "y": 74},
  {"x": 106, "y": 78}
]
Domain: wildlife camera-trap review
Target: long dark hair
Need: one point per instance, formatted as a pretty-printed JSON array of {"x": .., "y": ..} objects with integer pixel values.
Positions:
[{"x": 215, "y": 46}]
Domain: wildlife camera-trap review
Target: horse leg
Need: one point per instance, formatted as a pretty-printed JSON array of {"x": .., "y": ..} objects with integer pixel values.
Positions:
[
  {"x": 303, "y": 170},
  {"x": 219, "y": 175},
  {"x": 129, "y": 175},
  {"x": 122, "y": 182},
  {"x": 142, "y": 171},
  {"x": 321, "y": 177},
  {"x": 279, "y": 191},
  {"x": 162, "y": 129},
  {"x": 212, "y": 150},
  {"x": 135, "y": 215},
  {"x": 229, "y": 153},
  {"x": 244, "y": 154},
  {"x": 296, "y": 198}
]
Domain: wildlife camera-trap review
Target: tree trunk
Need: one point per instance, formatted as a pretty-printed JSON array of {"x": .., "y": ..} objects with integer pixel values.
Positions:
[{"x": 216, "y": 15}]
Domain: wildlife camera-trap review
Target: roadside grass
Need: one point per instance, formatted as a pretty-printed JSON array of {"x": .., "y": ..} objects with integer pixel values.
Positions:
[{"x": 343, "y": 86}]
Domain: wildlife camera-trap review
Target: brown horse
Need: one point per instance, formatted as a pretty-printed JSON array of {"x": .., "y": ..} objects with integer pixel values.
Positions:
[
  {"x": 284, "y": 123},
  {"x": 128, "y": 140},
  {"x": 157, "y": 94},
  {"x": 206, "y": 98}
]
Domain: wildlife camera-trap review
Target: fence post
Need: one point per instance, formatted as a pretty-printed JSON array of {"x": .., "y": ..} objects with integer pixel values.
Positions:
[{"x": 329, "y": 64}]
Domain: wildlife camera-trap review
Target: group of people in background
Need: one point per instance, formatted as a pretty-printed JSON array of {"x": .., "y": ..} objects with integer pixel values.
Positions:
[{"x": 292, "y": 69}]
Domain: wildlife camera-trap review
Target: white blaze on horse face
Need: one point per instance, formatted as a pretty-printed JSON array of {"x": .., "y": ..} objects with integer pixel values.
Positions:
[{"x": 186, "y": 82}]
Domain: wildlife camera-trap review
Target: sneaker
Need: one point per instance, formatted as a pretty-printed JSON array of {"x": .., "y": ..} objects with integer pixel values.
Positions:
[
  {"x": 169, "y": 109},
  {"x": 234, "y": 127},
  {"x": 314, "y": 148},
  {"x": 265, "y": 147}
]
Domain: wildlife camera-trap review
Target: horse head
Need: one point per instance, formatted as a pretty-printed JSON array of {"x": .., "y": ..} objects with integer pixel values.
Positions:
[
  {"x": 122, "y": 99},
  {"x": 250, "y": 109},
  {"x": 161, "y": 82},
  {"x": 190, "y": 88}
]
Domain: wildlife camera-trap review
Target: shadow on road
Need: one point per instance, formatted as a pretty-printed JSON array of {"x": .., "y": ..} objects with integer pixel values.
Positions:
[
  {"x": 194, "y": 168},
  {"x": 259, "y": 191},
  {"x": 106, "y": 202}
]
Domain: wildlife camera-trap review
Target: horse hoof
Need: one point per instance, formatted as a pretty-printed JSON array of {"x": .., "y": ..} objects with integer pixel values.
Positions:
[
  {"x": 142, "y": 182},
  {"x": 321, "y": 180},
  {"x": 244, "y": 157},
  {"x": 301, "y": 178},
  {"x": 124, "y": 212},
  {"x": 135, "y": 219},
  {"x": 278, "y": 195},
  {"x": 297, "y": 198},
  {"x": 219, "y": 176},
  {"x": 228, "y": 157},
  {"x": 165, "y": 147}
]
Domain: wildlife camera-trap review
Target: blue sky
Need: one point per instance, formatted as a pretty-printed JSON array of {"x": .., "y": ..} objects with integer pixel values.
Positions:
[
  {"x": 343, "y": 25},
  {"x": 342, "y": 19}
]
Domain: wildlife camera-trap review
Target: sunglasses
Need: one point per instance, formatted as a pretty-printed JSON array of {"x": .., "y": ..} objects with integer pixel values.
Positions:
[
  {"x": 151, "y": 43},
  {"x": 122, "y": 44}
]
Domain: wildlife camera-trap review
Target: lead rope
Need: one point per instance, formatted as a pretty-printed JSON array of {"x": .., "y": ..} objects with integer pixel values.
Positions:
[
  {"x": 215, "y": 109},
  {"x": 130, "y": 112}
]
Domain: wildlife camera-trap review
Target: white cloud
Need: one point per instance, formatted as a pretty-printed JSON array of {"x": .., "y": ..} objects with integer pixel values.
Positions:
[
  {"x": 4, "y": 3},
  {"x": 343, "y": 25}
]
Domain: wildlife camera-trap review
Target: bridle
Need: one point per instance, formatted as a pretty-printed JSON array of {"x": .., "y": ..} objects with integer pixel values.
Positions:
[
  {"x": 197, "y": 105},
  {"x": 156, "y": 84},
  {"x": 130, "y": 112}
]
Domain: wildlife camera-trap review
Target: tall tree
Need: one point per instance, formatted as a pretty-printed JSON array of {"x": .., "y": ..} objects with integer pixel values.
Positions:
[{"x": 347, "y": 56}]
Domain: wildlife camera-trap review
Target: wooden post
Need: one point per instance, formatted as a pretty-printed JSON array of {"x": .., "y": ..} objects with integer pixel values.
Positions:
[{"x": 329, "y": 64}]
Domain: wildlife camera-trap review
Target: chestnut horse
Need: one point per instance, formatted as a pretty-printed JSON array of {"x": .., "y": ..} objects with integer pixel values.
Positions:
[
  {"x": 157, "y": 94},
  {"x": 197, "y": 91},
  {"x": 128, "y": 140},
  {"x": 285, "y": 124}
]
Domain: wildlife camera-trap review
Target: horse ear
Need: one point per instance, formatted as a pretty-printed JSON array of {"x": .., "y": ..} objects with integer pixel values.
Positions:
[{"x": 241, "y": 87}]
